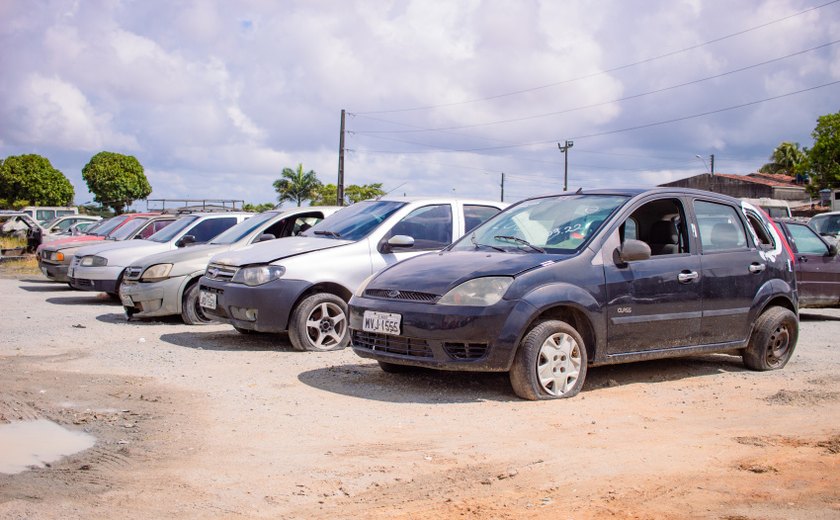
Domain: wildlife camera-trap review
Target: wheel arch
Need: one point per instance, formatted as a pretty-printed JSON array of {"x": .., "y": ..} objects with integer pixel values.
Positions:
[
  {"x": 321, "y": 287},
  {"x": 189, "y": 281}
]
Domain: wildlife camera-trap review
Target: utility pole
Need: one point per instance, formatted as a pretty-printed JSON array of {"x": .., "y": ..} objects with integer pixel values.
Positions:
[
  {"x": 503, "y": 187},
  {"x": 712, "y": 164},
  {"x": 340, "y": 201},
  {"x": 565, "y": 151}
]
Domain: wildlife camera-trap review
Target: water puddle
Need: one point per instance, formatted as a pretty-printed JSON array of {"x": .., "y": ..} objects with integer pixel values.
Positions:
[{"x": 25, "y": 444}]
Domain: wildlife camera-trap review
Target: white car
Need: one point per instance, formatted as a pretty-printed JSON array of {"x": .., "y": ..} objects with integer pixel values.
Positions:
[
  {"x": 101, "y": 267},
  {"x": 166, "y": 283},
  {"x": 302, "y": 284}
]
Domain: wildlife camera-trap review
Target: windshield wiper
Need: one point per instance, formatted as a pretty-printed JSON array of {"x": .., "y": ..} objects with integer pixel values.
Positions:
[
  {"x": 477, "y": 245},
  {"x": 333, "y": 234},
  {"x": 520, "y": 241}
]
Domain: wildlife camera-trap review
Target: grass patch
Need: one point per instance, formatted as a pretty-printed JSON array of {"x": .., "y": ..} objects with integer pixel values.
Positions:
[
  {"x": 27, "y": 265},
  {"x": 8, "y": 242}
]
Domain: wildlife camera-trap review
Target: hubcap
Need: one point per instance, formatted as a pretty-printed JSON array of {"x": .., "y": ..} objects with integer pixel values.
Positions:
[
  {"x": 326, "y": 326},
  {"x": 558, "y": 364}
]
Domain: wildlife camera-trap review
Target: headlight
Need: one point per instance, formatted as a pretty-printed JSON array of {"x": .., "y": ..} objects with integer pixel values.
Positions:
[
  {"x": 258, "y": 275},
  {"x": 478, "y": 292},
  {"x": 57, "y": 256},
  {"x": 94, "y": 261},
  {"x": 156, "y": 272}
]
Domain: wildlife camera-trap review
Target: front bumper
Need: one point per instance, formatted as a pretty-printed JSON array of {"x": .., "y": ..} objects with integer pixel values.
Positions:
[
  {"x": 145, "y": 300},
  {"x": 443, "y": 337},
  {"x": 262, "y": 308},
  {"x": 55, "y": 272},
  {"x": 102, "y": 279}
]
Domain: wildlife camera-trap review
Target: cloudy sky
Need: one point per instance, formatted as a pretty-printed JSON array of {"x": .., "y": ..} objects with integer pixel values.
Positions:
[{"x": 216, "y": 97}]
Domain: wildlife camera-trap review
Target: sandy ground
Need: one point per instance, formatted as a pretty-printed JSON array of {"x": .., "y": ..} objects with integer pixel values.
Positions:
[{"x": 202, "y": 422}]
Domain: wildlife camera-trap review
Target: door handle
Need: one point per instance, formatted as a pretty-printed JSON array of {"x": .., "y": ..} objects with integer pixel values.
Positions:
[
  {"x": 688, "y": 276},
  {"x": 802, "y": 258},
  {"x": 756, "y": 268}
]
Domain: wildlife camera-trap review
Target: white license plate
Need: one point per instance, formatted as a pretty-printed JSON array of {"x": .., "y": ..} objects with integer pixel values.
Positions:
[
  {"x": 71, "y": 272},
  {"x": 381, "y": 322},
  {"x": 207, "y": 299}
]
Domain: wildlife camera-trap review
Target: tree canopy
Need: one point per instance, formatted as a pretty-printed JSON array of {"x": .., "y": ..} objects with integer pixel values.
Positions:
[
  {"x": 786, "y": 158},
  {"x": 30, "y": 180},
  {"x": 327, "y": 194},
  {"x": 824, "y": 157},
  {"x": 296, "y": 185},
  {"x": 116, "y": 180}
]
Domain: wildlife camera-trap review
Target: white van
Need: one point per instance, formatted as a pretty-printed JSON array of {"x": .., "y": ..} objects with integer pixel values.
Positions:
[{"x": 46, "y": 213}]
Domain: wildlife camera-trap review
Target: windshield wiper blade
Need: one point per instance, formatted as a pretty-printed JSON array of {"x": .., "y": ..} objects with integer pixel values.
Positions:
[
  {"x": 477, "y": 245},
  {"x": 328, "y": 233},
  {"x": 520, "y": 241}
]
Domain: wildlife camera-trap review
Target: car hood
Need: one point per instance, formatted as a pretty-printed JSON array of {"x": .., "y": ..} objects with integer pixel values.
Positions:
[
  {"x": 112, "y": 245},
  {"x": 271, "y": 250},
  {"x": 436, "y": 273},
  {"x": 61, "y": 243}
]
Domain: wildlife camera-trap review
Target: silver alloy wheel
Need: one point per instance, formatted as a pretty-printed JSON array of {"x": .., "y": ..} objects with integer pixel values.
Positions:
[
  {"x": 326, "y": 326},
  {"x": 558, "y": 364}
]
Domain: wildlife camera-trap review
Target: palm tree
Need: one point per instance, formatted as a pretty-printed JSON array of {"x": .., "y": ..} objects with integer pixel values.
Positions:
[
  {"x": 785, "y": 158},
  {"x": 296, "y": 185}
]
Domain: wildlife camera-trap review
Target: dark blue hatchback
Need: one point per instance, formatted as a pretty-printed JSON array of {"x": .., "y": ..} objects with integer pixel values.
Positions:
[{"x": 553, "y": 285}]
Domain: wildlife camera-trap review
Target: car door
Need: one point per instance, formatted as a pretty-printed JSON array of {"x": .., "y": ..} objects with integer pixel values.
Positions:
[
  {"x": 653, "y": 303},
  {"x": 732, "y": 271},
  {"x": 817, "y": 267},
  {"x": 430, "y": 226}
]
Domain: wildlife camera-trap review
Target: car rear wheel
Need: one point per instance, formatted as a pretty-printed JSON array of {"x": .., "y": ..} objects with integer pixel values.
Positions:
[
  {"x": 773, "y": 340},
  {"x": 550, "y": 363},
  {"x": 319, "y": 323},
  {"x": 191, "y": 311}
]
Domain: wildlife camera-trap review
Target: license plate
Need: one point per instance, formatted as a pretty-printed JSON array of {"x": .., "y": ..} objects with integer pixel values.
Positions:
[
  {"x": 207, "y": 299},
  {"x": 71, "y": 272},
  {"x": 381, "y": 322}
]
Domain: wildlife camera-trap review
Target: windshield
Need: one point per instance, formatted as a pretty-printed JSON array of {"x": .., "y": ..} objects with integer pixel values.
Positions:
[
  {"x": 244, "y": 228},
  {"x": 561, "y": 224},
  {"x": 354, "y": 222},
  {"x": 103, "y": 227},
  {"x": 128, "y": 229},
  {"x": 171, "y": 231},
  {"x": 825, "y": 224}
]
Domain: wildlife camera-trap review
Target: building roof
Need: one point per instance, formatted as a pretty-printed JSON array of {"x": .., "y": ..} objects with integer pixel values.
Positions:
[{"x": 766, "y": 179}]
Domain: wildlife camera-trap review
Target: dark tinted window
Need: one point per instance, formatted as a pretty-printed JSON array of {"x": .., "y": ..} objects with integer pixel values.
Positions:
[
  {"x": 355, "y": 222},
  {"x": 429, "y": 226},
  {"x": 209, "y": 228},
  {"x": 475, "y": 215}
]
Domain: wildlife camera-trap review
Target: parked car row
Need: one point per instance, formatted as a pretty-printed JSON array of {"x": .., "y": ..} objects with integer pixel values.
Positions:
[{"x": 541, "y": 290}]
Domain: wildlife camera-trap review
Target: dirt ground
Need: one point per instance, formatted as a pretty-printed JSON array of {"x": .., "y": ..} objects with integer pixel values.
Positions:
[{"x": 202, "y": 422}]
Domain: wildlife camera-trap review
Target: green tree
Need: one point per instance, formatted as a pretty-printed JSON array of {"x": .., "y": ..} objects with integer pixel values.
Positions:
[
  {"x": 116, "y": 180},
  {"x": 786, "y": 158},
  {"x": 327, "y": 194},
  {"x": 30, "y": 180},
  {"x": 296, "y": 185},
  {"x": 824, "y": 157},
  {"x": 257, "y": 208}
]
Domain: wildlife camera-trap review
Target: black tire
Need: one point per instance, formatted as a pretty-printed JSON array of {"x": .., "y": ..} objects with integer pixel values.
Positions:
[
  {"x": 319, "y": 323},
  {"x": 773, "y": 340},
  {"x": 550, "y": 363},
  {"x": 393, "y": 368},
  {"x": 191, "y": 311},
  {"x": 116, "y": 294}
]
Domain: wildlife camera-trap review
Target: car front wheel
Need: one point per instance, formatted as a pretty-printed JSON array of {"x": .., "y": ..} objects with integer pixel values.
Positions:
[
  {"x": 550, "y": 363},
  {"x": 191, "y": 311},
  {"x": 319, "y": 323},
  {"x": 773, "y": 340}
]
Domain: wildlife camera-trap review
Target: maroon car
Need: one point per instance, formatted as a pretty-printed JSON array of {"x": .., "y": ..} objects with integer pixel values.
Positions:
[{"x": 817, "y": 265}]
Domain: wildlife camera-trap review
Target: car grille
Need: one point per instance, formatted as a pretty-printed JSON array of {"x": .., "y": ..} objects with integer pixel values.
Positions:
[
  {"x": 392, "y": 344},
  {"x": 411, "y": 296},
  {"x": 133, "y": 272},
  {"x": 220, "y": 272},
  {"x": 465, "y": 351}
]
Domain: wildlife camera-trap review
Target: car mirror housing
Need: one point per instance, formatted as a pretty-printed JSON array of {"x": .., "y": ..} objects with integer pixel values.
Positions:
[
  {"x": 631, "y": 251},
  {"x": 397, "y": 242},
  {"x": 185, "y": 241},
  {"x": 832, "y": 250},
  {"x": 265, "y": 236}
]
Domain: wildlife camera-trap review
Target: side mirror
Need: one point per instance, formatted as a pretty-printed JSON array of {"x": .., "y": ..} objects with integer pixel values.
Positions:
[
  {"x": 631, "y": 251},
  {"x": 185, "y": 241},
  {"x": 832, "y": 250},
  {"x": 396, "y": 242},
  {"x": 265, "y": 236}
]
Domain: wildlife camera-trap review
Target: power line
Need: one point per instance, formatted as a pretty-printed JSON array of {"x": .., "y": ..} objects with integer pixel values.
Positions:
[
  {"x": 602, "y": 72},
  {"x": 593, "y": 105}
]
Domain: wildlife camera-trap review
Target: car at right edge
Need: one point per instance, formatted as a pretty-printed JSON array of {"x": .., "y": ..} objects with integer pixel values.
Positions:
[
  {"x": 555, "y": 284},
  {"x": 817, "y": 265}
]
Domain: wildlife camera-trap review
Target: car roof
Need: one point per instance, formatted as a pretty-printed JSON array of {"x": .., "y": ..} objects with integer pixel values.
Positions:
[
  {"x": 635, "y": 192},
  {"x": 389, "y": 198}
]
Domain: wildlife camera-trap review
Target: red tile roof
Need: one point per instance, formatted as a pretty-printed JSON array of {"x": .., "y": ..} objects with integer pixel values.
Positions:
[{"x": 775, "y": 180}]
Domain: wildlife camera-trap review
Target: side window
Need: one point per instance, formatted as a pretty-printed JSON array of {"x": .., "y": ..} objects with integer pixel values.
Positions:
[
  {"x": 720, "y": 227},
  {"x": 209, "y": 228},
  {"x": 806, "y": 241},
  {"x": 475, "y": 215},
  {"x": 659, "y": 223},
  {"x": 762, "y": 235},
  {"x": 429, "y": 226}
]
